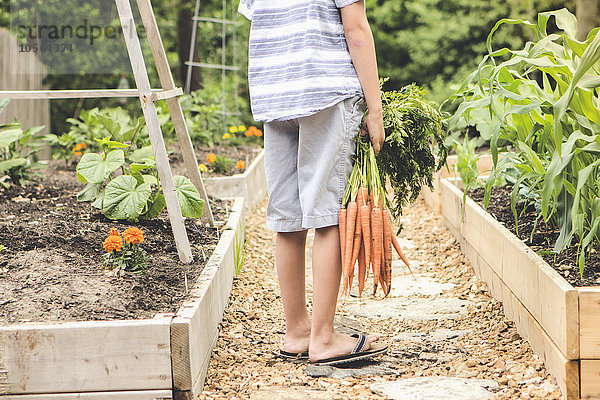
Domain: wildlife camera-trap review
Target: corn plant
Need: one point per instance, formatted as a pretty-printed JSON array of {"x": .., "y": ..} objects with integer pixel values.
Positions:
[{"x": 542, "y": 101}]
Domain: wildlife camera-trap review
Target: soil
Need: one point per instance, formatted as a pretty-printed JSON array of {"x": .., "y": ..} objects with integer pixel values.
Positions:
[
  {"x": 543, "y": 239},
  {"x": 244, "y": 152},
  {"x": 51, "y": 258}
]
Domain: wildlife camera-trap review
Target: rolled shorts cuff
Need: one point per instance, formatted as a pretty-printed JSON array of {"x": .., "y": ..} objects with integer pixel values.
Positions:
[
  {"x": 320, "y": 221},
  {"x": 284, "y": 225}
]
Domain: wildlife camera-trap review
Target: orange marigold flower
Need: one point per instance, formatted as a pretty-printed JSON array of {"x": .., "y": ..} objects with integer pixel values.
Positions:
[
  {"x": 258, "y": 133},
  {"x": 76, "y": 153},
  {"x": 249, "y": 132},
  {"x": 211, "y": 158},
  {"x": 114, "y": 232},
  {"x": 133, "y": 235},
  {"x": 240, "y": 164},
  {"x": 113, "y": 243},
  {"x": 82, "y": 145}
]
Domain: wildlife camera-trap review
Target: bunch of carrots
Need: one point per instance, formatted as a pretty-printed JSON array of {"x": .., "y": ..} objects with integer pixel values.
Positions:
[{"x": 365, "y": 225}]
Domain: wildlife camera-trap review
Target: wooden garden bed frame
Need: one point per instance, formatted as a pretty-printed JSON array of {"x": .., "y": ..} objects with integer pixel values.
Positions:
[
  {"x": 251, "y": 184},
  {"x": 561, "y": 322},
  {"x": 161, "y": 358}
]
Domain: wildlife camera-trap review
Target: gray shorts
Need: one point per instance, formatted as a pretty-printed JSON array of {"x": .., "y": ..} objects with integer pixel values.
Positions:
[{"x": 308, "y": 161}]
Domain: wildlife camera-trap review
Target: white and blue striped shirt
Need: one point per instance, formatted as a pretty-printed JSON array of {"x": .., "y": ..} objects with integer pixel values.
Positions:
[{"x": 298, "y": 62}]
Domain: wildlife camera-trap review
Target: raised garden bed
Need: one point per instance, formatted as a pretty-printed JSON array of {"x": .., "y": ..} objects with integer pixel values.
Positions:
[
  {"x": 560, "y": 321},
  {"x": 145, "y": 355},
  {"x": 250, "y": 184}
]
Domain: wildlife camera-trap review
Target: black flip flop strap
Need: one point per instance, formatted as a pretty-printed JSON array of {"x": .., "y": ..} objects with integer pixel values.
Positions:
[{"x": 360, "y": 345}]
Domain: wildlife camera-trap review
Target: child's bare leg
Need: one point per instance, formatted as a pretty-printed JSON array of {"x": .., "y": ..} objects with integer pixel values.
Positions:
[
  {"x": 289, "y": 259},
  {"x": 327, "y": 270}
]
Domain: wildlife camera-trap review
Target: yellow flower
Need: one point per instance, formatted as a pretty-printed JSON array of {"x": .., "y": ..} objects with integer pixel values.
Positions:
[
  {"x": 227, "y": 135},
  {"x": 202, "y": 167},
  {"x": 133, "y": 235},
  {"x": 242, "y": 128},
  {"x": 233, "y": 129},
  {"x": 211, "y": 158},
  {"x": 112, "y": 243},
  {"x": 240, "y": 164}
]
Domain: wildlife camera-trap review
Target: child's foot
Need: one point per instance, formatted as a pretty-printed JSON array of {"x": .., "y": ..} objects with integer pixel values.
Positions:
[
  {"x": 337, "y": 345},
  {"x": 296, "y": 342}
]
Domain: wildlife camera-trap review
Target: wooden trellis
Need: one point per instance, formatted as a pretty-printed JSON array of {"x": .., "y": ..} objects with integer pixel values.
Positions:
[{"x": 147, "y": 97}]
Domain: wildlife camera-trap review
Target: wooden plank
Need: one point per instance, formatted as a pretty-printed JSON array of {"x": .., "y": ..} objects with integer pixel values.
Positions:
[
  {"x": 565, "y": 371},
  {"x": 551, "y": 300},
  {"x": 166, "y": 80},
  {"x": 194, "y": 329},
  {"x": 559, "y": 303},
  {"x": 131, "y": 395},
  {"x": 589, "y": 319},
  {"x": 590, "y": 379},
  {"x": 158, "y": 145},
  {"x": 84, "y": 93},
  {"x": 86, "y": 356}
]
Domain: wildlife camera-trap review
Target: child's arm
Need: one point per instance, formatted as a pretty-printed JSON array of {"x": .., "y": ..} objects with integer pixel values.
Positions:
[{"x": 362, "y": 50}]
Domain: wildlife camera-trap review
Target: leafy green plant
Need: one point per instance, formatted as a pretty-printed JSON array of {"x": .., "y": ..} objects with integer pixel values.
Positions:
[
  {"x": 222, "y": 164},
  {"x": 239, "y": 250},
  {"x": 412, "y": 126},
  {"x": 466, "y": 164},
  {"x": 543, "y": 101},
  {"x": 18, "y": 148},
  {"x": 201, "y": 111},
  {"x": 124, "y": 183}
]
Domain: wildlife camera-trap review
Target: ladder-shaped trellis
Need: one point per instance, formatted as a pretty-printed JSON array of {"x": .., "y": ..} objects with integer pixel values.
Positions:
[
  {"x": 147, "y": 97},
  {"x": 223, "y": 66}
]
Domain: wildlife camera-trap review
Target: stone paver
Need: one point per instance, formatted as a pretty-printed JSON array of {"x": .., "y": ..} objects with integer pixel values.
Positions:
[{"x": 438, "y": 388}]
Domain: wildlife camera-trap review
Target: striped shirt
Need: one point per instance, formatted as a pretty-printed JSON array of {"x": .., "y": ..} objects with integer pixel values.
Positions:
[{"x": 298, "y": 61}]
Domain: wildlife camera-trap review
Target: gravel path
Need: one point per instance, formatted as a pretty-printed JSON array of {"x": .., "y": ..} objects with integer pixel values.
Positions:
[{"x": 441, "y": 324}]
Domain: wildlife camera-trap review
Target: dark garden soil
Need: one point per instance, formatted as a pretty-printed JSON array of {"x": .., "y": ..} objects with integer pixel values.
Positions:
[
  {"x": 544, "y": 237},
  {"x": 244, "y": 152},
  {"x": 51, "y": 258}
]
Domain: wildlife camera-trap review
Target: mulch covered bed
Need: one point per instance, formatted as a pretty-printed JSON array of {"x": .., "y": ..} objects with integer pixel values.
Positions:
[
  {"x": 544, "y": 237},
  {"x": 51, "y": 258}
]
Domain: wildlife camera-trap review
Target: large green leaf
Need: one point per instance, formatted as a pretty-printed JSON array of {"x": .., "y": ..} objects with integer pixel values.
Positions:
[
  {"x": 7, "y": 165},
  {"x": 9, "y": 136},
  {"x": 155, "y": 205},
  {"x": 189, "y": 198},
  {"x": 90, "y": 192},
  {"x": 125, "y": 199},
  {"x": 95, "y": 169}
]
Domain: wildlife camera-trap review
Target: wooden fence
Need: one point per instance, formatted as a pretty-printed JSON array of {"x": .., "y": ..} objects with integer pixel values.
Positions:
[{"x": 31, "y": 73}]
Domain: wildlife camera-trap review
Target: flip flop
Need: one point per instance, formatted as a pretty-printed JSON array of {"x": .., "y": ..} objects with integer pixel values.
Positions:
[
  {"x": 293, "y": 356},
  {"x": 357, "y": 354}
]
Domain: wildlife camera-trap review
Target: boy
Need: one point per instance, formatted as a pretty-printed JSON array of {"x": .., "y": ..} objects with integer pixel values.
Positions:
[{"x": 311, "y": 68}]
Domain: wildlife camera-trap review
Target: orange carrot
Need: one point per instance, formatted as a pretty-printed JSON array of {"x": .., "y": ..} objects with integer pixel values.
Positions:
[
  {"x": 350, "y": 227},
  {"x": 387, "y": 248},
  {"x": 342, "y": 229},
  {"x": 399, "y": 251},
  {"x": 377, "y": 249},
  {"x": 355, "y": 249},
  {"x": 362, "y": 267},
  {"x": 365, "y": 219}
]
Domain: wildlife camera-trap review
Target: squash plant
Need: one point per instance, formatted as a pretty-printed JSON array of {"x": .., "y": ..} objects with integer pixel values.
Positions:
[
  {"x": 542, "y": 100},
  {"x": 124, "y": 184}
]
